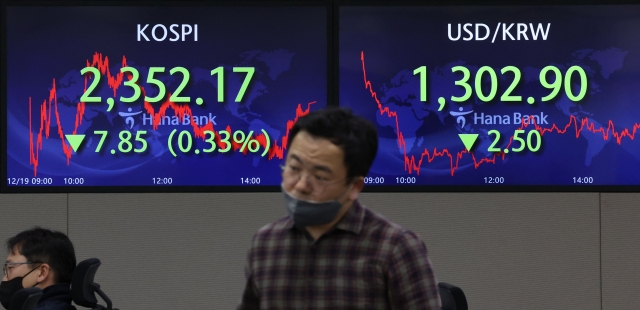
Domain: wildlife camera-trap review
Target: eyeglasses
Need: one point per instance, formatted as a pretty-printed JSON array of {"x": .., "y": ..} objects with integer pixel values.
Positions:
[
  {"x": 8, "y": 266},
  {"x": 292, "y": 174}
]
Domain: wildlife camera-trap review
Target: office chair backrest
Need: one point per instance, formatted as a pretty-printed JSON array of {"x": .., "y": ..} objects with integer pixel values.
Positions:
[
  {"x": 452, "y": 297},
  {"x": 448, "y": 303},
  {"x": 82, "y": 289},
  {"x": 25, "y": 299}
]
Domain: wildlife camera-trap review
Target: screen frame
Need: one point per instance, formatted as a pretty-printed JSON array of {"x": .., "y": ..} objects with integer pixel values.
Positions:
[
  {"x": 4, "y": 188},
  {"x": 333, "y": 10},
  {"x": 473, "y": 188}
]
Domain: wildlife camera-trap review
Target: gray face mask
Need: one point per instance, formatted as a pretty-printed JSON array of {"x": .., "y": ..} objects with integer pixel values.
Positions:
[{"x": 310, "y": 213}]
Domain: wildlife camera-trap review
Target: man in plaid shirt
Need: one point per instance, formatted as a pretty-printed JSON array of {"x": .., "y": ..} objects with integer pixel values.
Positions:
[{"x": 331, "y": 252}]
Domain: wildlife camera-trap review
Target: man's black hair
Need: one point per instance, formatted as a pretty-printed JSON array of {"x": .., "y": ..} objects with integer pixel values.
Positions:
[
  {"x": 355, "y": 135},
  {"x": 41, "y": 245}
]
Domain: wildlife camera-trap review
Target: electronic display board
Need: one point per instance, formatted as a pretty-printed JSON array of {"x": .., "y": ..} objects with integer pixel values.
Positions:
[
  {"x": 488, "y": 97},
  {"x": 157, "y": 96}
]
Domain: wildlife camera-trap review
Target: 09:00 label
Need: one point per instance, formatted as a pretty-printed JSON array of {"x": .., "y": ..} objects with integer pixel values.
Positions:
[
  {"x": 27, "y": 181},
  {"x": 374, "y": 180}
]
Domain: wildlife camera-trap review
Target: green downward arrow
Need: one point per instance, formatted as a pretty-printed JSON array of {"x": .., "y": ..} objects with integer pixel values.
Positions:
[
  {"x": 75, "y": 141},
  {"x": 468, "y": 139}
]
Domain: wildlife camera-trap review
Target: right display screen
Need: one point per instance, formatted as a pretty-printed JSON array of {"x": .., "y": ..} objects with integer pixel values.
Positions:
[{"x": 528, "y": 96}]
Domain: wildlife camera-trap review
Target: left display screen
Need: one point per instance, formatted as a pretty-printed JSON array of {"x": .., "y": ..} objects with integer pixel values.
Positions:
[{"x": 158, "y": 96}]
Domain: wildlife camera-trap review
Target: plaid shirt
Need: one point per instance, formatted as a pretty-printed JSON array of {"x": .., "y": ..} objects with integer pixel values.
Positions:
[{"x": 365, "y": 262}]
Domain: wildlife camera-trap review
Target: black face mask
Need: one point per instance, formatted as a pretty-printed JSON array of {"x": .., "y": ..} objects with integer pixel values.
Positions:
[{"x": 9, "y": 288}]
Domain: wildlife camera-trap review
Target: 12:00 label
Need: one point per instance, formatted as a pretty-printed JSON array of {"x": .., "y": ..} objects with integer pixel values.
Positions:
[
  {"x": 162, "y": 181},
  {"x": 494, "y": 180}
]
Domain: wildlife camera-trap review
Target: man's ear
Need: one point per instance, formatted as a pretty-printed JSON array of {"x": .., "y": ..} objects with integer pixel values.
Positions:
[
  {"x": 44, "y": 273},
  {"x": 358, "y": 185}
]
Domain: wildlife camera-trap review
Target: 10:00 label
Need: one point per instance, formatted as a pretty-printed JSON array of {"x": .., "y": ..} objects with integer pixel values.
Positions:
[
  {"x": 405, "y": 180},
  {"x": 73, "y": 181}
]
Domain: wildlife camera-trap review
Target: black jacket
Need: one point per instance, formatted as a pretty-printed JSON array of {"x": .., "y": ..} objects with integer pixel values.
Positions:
[{"x": 56, "y": 297}]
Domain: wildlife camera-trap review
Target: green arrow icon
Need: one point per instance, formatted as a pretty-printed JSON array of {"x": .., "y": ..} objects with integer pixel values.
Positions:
[
  {"x": 468, "y": 139},
  {"x": 75, "y": 141}
]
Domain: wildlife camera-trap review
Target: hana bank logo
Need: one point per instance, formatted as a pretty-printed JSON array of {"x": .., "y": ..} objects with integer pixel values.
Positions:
[
  {"x": 128, "y": 117},
  {"x": 461, "y": 120}
]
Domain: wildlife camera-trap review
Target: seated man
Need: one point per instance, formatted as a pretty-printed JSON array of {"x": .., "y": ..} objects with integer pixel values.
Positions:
[
  {"x": 44, "y": 259},
  {"x": 331, "y": 252}
]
